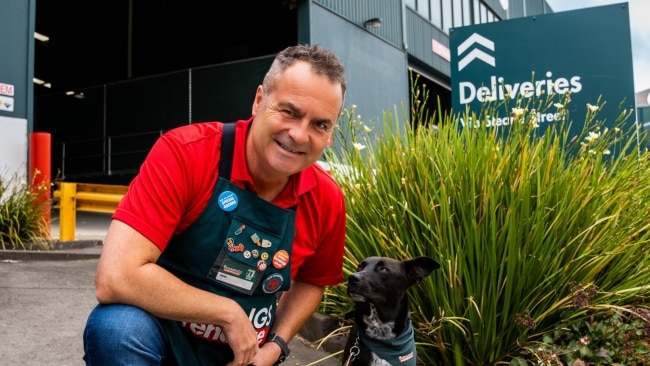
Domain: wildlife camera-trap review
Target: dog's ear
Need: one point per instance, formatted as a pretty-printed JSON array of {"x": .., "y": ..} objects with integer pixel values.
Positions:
[{"x": 420, "y": 267}]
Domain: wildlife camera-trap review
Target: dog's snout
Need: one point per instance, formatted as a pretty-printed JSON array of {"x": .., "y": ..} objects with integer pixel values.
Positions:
[{"x": 354, "y": 278}]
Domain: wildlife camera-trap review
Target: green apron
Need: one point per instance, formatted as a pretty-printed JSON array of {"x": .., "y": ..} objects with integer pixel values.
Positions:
[{"x": 240, "y": 248}]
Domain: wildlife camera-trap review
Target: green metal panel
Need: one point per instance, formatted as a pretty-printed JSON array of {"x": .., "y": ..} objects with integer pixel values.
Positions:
[{"x": 17, "y": 61}]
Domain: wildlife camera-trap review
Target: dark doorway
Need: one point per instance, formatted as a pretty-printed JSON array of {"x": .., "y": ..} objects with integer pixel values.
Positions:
[
  {"x": 101, "y": 41},
  {"x": 434, "y": 99}
]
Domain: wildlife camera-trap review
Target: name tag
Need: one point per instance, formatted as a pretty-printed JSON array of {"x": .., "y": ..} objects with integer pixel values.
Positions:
[{"x": 237, "y": 275}]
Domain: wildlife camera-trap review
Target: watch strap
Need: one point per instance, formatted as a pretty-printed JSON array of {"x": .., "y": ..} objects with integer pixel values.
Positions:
[{"x": 284, "y": 348}]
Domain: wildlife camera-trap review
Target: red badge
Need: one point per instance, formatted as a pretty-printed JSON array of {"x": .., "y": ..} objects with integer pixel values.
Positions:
[{"x": 261, "y": 265}]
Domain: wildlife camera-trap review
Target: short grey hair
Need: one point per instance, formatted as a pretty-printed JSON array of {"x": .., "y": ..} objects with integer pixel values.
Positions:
[{"x": 323, "y": 62}]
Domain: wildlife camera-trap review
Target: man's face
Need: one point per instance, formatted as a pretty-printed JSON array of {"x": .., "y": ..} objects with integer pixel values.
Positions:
[{"x": 294, "y": 123}]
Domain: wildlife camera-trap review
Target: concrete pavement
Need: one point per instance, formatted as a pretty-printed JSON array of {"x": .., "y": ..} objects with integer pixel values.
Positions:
[{"x": 46, "y": 296}]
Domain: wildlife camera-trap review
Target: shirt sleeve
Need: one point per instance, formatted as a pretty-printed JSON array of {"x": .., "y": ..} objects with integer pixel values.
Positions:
[
  {"x": 172, "y": 186},
  {"x": 324, "y": 265}
]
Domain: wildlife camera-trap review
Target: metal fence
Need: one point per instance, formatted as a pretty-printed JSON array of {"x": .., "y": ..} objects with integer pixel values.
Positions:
[{"x": 121, "y": 155}]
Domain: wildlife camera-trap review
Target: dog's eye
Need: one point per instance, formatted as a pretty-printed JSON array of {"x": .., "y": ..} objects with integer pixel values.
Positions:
[{"x": 382, "y": 269}]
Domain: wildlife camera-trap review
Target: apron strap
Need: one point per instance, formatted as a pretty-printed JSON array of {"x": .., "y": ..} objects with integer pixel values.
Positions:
[{"x": 227, "y": 150}]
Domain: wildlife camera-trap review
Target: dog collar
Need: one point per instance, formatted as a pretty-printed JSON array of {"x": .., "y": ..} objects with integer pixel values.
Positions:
[
  {"x": 284, "y": 348},
  {"x": 397, "y": 351}
]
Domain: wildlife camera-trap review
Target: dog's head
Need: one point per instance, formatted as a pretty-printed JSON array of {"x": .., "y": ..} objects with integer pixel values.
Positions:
[{"x": 381, "y": 280}]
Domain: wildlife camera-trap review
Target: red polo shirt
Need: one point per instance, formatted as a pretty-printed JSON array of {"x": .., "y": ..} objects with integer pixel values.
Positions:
[{"x": 177, "y": 179}]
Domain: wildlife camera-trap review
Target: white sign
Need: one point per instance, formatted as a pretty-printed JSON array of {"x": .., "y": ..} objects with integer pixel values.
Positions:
[
  {"x": 6, "y": 104},
  {"x": 13, "y": 147}
]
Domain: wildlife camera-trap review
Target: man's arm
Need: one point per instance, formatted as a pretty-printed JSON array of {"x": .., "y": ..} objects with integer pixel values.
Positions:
[
  {"x": 296, "y": 307},
  {"x": 127, "y": 273}
]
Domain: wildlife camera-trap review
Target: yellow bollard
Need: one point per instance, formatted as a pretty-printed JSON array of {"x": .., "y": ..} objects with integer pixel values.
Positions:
[{"x": 68, "y": 211}]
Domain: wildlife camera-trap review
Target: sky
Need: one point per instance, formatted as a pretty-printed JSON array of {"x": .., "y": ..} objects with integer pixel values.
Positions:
[{"x": 640, "y": 32}]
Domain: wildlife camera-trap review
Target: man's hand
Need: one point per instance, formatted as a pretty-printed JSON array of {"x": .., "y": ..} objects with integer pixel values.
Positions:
[
  {"x": 295, "y": 308},
  {"x": 245, "y": 352},
  {"x": 267, "y": 356},
  {"x": 137, "y": 280},
  {"x": 241, "y": 337}
]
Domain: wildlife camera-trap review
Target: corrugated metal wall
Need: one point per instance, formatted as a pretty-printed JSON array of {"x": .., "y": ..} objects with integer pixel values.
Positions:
[
  {"x": 377, "y": 70},
  {"x": 418, "y": 31},
  {"x": 496, "y": 7},
  {"x": 526, "y": 8},
  {"x": 419, "y": 35},
  {"x": 358, "y": 11}
]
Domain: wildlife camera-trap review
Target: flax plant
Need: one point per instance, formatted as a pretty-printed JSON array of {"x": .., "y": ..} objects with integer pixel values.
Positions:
[
  {"x": 524, "y": 223},
  {"x": 23, "y": 224}
]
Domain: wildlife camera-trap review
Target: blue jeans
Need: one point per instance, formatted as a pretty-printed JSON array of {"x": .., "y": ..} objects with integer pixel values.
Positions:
[{"x": 124, "y": 335}]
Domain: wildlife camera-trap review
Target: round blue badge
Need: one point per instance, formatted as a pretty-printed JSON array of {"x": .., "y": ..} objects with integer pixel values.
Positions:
[{"x": 228, "y": 201}]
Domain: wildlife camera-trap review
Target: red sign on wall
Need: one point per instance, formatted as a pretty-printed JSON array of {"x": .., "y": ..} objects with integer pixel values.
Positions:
[
  {"x": 440, "y": 50},
  {"x": 7, "y": 89}
]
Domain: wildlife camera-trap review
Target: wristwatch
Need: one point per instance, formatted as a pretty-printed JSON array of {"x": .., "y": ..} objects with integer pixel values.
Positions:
[{"x": 284, "y": 349}]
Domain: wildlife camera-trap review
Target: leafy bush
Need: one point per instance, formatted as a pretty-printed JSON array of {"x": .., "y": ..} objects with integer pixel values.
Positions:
[
  {"x": 522, "y": 223},
  {"x": 23, "y": 224},
  {"x": 620, "y": 337}
]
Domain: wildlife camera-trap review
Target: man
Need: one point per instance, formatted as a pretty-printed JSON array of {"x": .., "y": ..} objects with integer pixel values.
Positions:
[{"x": 200, "y": 247}]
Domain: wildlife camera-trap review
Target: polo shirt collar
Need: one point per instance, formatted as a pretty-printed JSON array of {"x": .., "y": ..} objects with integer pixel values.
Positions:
[{"x": 298, "y": 184}]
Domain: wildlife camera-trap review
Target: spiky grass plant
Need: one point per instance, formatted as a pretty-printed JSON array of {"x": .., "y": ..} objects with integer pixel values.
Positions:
[
  {"x": 23, "y": 224},
  {"x": 522, "y": 222}
]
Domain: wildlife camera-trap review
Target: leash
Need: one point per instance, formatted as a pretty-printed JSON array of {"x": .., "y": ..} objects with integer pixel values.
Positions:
[{"x": 354, "y": 352}]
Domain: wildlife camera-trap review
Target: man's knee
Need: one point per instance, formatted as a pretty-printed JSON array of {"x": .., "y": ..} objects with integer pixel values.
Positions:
[
  {"x": 122, "y": 331},
  {"x": 116, "y": 319}
]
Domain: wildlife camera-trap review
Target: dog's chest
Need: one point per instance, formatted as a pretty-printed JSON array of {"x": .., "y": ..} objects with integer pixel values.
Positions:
[
  {"x": 376, "y": 361},
  {"x": 387, "y": 348},
  {"x": 376, "y": 328}
]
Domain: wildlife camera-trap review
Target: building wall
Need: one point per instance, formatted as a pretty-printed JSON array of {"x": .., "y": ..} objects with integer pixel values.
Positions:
[
  {"x": 420, "y": 36},
  {"x": 417, "y": 29},
  {"x": 376, "y": 70},
  {"x": 643, "y": 107},
  {"x": 359, "y": 11},
  {"x": 378, "y": 61},
  {"x": 525, "y": 8},
  {"x": 16, "y": 89}
]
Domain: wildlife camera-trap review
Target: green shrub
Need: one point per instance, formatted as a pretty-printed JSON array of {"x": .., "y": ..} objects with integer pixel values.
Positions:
[
  {"x": 519, "y": 220},
  {"x": 23, "y": 223},
  {"x": 618, "y": 337}
]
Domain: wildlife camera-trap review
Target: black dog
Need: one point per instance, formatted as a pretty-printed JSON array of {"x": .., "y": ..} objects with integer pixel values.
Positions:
[{"x": 382, "y": 334}]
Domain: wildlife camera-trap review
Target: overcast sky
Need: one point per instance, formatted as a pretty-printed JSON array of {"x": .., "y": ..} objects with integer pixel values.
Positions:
[{"x": 640, "y": 31}]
